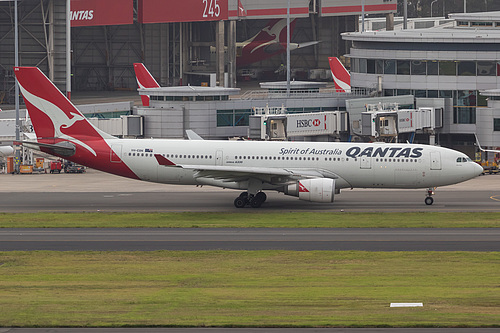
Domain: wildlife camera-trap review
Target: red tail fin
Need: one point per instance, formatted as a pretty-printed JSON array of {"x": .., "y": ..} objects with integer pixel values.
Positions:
[
  {"x": 59, "y": 124},
  {"x": 144, "y": 80},
  {"x": 341, "y": 77},
  {"x": 269, "y": 41},
  {"x": 52, "y": 114}
]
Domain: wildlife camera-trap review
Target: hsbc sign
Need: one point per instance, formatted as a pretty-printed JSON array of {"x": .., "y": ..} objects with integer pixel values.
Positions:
[
  {"x": 303, "y": 123},
  {"x": 314, "y": 123}
]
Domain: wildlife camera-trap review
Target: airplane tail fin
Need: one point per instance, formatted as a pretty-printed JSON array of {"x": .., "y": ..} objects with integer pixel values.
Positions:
[
  {"x": 62, "y": 130},
  {"x": 55, "y": 119},
  {"x": 341, "y": 77},
  {"x": 144, "y": 80}
]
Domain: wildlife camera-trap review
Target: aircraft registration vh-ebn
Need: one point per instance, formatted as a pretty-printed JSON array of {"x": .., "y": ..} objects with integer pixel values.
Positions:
[{"x": 312, "y": 171}]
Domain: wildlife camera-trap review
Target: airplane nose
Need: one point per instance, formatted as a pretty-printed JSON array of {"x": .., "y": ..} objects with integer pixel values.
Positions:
[{"x": 477, "y": 169}]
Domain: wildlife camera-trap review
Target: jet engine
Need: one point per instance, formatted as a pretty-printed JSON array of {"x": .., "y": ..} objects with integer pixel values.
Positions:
[{"x": 316, "y": 190}]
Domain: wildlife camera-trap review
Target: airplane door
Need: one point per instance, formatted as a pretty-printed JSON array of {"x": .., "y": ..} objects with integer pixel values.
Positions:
[
  {"x": 115, "y": 153},
  {"x": 365, "y": 162},
  {"x": 218, "y": 157},
  {"x": 435, "y": 160}
]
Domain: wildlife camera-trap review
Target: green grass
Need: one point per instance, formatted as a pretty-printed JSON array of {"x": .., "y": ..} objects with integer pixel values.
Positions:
[
  {"x": 249, "y": 288},
  {"x": 251, "y": 220}
]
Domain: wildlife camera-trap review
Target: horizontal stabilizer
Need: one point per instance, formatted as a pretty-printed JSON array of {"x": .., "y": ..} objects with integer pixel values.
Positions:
[
  {"x": 306, "y": 44},
  {"x": 64, "y": 148}
]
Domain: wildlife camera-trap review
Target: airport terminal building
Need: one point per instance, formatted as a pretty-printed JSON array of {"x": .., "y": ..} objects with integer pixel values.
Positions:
[{"x": 450, "y": 64}]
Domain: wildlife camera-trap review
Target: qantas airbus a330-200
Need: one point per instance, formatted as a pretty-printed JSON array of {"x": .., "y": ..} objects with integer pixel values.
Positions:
[{"x": 312, "y": 171}]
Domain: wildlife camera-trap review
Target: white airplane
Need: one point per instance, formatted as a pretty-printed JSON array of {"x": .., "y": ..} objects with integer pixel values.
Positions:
[{"x": 312, "y": 171}]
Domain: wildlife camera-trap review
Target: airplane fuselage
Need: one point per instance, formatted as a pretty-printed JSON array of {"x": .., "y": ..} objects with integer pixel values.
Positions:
[{"x": 364, "y": 165}]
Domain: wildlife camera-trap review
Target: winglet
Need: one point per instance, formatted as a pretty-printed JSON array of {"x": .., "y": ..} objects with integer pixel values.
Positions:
[
  {"x": 162, "y": 160},
  {"x": 192, "y": 135}
]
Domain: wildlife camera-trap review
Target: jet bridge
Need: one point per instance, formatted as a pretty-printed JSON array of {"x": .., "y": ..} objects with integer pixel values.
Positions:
[
  {"x": 385, "y": 122},
  {"x": 277, "y": 124}
]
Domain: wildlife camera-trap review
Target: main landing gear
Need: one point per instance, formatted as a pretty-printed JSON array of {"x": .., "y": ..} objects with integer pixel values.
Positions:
[
  {"x": 255, "y": 201},
  {"x": 429, "y": 200}
]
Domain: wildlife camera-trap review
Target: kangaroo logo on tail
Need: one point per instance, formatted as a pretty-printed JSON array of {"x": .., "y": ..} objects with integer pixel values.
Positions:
[
  {"x": 60, "y": 128},
  {"x": 53, "y": 115}
]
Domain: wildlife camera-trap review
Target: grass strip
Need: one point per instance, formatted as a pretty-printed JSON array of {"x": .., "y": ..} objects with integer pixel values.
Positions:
[
  {"x": 251, "y": 220},
  {"x": 249, "y": 288}
]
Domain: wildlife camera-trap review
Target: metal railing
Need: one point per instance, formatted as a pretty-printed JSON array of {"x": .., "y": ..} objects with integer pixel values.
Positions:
[{"x": 301, "y": 94}]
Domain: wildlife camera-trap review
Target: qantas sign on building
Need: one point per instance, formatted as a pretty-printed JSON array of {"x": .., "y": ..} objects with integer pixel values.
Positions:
[{"x": 85, "y": 13}]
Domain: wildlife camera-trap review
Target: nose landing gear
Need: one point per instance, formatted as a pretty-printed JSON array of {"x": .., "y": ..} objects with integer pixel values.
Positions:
[
  {"x": 429, "y": 200},
  {"x": 255, "y": 201}
]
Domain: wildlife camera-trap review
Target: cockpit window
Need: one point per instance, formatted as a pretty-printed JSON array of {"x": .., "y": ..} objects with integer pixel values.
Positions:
[{"x": 463, "y": 159}]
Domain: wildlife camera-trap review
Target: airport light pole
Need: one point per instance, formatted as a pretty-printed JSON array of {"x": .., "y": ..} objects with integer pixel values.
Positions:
[
  {"x": 16, "y": 63},
  {"x": 362, "y": 16},
  {"x": 68, "y": 49},
  {"x": 405, "y": 13},
  {"x": 288, "y": 50},
  {"x": 432, "y": 4}
]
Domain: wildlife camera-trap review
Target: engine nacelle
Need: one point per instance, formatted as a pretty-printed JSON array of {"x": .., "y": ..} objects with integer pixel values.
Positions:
[{"x": 316, "y": 190}]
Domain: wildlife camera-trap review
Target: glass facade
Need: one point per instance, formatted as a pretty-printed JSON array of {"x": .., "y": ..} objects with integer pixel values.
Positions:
[
  {"x": 237, "y": 117},
  {"x": 426, "y": 67},
  {"x": 496, "y": 124},
  {"x": 189, "y": 98},
  {"x": 465, "y": 102}
]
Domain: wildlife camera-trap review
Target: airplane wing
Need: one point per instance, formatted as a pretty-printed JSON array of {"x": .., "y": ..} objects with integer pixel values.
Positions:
[{"x": 238, "y": 173}]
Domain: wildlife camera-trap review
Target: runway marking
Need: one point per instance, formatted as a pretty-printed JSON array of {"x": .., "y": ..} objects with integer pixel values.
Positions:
[{"x": 494, "y": 197}]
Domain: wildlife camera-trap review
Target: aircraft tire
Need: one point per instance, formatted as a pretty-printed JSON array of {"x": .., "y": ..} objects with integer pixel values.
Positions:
[
  {"x": 255, "y": 202},
  {"x": 240, "y": 202},
  {"x": 261, "y": 196},
  {"x": 429, "y": 201}
]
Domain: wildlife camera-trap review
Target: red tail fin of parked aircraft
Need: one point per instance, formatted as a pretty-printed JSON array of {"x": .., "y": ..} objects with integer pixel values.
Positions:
[
  {"x": 61, "y": 129},
  {"x": 144, "y": 80},
  {"x": 270, "y": 41},
  {"x": 341, "y": 77}
]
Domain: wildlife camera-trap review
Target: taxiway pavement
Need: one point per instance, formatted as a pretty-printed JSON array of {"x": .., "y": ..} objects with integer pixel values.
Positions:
[
  {"x": 333, "y": 239},
  {"x": 98, "y": 191}
]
